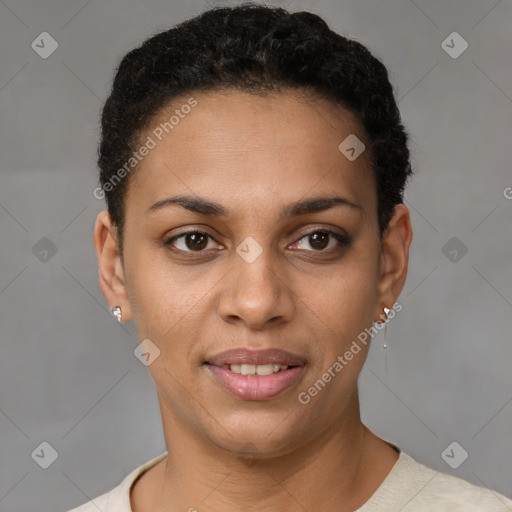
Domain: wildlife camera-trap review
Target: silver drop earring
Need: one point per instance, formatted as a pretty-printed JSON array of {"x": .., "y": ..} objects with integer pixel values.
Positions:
[
  {"x": 116, "y": 311},
  {"x": 386, "y": 312}
]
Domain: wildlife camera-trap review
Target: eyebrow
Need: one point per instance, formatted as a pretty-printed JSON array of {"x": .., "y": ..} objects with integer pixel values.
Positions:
[{"x": 204, "y": 206}]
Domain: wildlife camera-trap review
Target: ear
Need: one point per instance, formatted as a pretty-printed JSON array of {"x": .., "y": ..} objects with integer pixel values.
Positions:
[
  {"x": 394, "y": 261},
  {"x": 111, "y": 273}
]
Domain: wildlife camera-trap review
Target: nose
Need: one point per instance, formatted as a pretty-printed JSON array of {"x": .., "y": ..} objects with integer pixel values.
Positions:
[{"x": 256, "y": 293}]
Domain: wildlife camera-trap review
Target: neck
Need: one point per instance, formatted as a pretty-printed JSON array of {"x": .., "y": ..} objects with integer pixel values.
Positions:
[{"x": 337, "y": 468}]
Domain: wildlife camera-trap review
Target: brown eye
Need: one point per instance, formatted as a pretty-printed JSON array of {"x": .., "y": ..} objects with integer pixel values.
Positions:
[
  {"x": 196, "y": 241},
  {"x": 320, "y": 240},
  {"x": 192, "y": 241}
]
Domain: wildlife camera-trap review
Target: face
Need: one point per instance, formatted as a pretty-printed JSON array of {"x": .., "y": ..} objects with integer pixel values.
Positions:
[{"x": 251, "y": 259}]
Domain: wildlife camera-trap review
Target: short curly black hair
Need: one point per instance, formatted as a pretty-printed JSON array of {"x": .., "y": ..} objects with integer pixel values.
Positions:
[{"x": 252, "y": 48}]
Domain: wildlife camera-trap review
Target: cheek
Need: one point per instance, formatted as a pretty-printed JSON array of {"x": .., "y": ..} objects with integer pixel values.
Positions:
[
  {"x": 162, "y": 296},
  {"x": 165, "y": 309},
  {"x": 343, "y": 299},
  {"x": 171, "y": 306}
]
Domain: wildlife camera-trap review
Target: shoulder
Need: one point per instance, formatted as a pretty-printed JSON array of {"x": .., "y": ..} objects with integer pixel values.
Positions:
[
  {"x": 424, "y": 488},
  {"x": 117, "y": 499},
  {"x": 461, "y": 495}
]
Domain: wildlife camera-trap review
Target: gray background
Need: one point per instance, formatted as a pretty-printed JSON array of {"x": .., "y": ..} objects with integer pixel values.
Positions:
[{"x": 68, "y": 375}]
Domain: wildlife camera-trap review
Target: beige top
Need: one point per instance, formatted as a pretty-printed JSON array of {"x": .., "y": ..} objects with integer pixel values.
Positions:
[{"x": 409, "y": 487}]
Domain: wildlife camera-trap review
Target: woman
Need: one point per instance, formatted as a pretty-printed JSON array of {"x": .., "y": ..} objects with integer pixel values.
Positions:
[{"x": 253, "y": 164}]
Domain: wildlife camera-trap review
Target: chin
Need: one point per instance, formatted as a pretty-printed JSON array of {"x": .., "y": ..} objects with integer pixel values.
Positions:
[{"x": 257, "y": 434}]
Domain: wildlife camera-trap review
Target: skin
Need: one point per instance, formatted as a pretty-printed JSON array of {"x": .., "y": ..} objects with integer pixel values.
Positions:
[{"x": 254, "y": 155}]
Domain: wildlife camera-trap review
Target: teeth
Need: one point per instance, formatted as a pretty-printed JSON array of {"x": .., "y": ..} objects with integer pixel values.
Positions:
[
  {"x": 247, "y": 369},
  {"x": 265, "y": 369},
  {"x": 257, "y": 369}
]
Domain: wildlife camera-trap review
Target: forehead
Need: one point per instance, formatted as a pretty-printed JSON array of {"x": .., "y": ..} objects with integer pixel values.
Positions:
[{"x": 235, "y": 144}]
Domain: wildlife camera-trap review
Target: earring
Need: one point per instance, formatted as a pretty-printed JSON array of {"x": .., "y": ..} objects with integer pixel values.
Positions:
[
  {"x": 386, "y": 312},
  {"x": 116, "y": 311}
]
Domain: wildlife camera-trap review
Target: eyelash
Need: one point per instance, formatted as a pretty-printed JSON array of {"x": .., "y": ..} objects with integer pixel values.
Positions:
[{"x": 343, "y": 240}]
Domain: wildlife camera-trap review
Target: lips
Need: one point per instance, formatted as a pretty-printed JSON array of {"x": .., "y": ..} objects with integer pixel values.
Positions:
[
  {"x": 256, "y": 357},
  {"x": 256, "y": 374}
]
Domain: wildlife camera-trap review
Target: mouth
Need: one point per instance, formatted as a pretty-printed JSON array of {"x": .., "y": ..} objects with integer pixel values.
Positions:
[
  {"x": 257, "y": 369},
  {"x": 263, "y": 357},
  {"x": 256, "y": 375}
]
